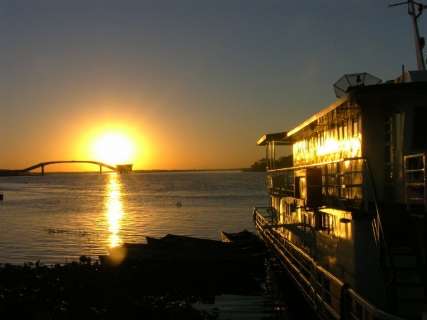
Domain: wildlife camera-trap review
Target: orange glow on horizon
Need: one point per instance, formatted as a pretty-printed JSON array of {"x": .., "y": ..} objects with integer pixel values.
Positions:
[
  {"x": 113, "y": 148},
  {"x": 113, "y": 143}
]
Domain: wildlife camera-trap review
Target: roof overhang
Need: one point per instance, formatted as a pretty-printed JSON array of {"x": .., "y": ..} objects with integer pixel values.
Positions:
[
  {"x": 278, "y": 137},
  {"x": 316, "y": 116},
  {"x": 355, "y": 95}
]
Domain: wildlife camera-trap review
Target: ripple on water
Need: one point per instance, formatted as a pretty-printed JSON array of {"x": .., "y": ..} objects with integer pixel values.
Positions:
[{"x": 57, "y": 218}]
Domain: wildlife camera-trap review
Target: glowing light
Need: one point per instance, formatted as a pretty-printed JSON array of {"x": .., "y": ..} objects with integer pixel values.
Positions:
[
  {"x": 114, "y": 210},
  {"x": 353, "y": 146},
  {"x": 330, "y": 146},
  {"x": 342, "y": 222},
  {"x": 113, "y": 148},
  {"x": 314, "y": 150},
  {"x": 348, "y": 147}
]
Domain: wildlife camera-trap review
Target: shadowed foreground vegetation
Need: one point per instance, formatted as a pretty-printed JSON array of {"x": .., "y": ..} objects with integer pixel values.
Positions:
[{"x": 153, "y": 285}]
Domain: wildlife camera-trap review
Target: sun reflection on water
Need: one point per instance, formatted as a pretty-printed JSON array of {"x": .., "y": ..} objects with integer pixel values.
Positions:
[{"x": 114, "y": 209}]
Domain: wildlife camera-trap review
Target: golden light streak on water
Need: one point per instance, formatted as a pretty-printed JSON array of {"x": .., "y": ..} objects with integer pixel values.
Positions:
[{"x": 114, "y": 208}]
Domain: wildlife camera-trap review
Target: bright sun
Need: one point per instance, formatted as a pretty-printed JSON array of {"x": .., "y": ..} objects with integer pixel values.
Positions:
[{"x": 113, "y": 148}]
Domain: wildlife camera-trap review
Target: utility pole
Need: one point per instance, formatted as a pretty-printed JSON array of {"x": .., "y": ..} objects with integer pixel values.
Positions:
[{"x": 415, "y": 9}]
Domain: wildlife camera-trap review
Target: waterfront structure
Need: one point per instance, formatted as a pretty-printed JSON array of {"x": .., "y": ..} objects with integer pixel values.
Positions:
[
  {"x": 120, "y": 168},
  {"x": 124, "y": 168},
  {"x": 347, "y": 220},
  {"x": 42, "y": 165}
]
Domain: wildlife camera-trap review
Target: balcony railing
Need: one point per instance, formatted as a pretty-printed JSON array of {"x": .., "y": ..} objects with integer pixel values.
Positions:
[
  {"x": 325, "y": 292},
  {"x": 336, "y": 181},
  {"x": 347, "y": 183}
]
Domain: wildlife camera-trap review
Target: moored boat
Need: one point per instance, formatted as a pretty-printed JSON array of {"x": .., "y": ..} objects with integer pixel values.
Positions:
[{"x": 346, "y": 220}]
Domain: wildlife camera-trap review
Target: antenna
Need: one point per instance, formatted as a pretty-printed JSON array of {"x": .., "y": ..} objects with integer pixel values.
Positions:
[{"x": 415, "y": 9}]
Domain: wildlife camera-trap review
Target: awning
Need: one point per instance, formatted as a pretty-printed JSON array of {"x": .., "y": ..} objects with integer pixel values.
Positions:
[{"x": 279, "y": 138}]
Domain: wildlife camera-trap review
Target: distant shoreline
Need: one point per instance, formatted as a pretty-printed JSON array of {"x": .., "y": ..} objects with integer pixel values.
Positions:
[{"x": 8, "y": 173}]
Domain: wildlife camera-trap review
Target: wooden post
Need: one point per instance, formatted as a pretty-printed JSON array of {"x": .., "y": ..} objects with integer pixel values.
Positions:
[{"x": 42, "y": 170}]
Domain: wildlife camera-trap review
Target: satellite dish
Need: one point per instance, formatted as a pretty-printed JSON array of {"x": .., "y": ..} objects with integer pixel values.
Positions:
[{"x": 352, "y": 80}]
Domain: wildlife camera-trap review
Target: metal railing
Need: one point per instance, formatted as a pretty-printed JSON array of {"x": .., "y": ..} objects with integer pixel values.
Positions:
[
  {"x": 303, "y": 269},
  {"x": 327, "y": 294},
  {"x": 347, "y": 182},
  {"x": 360, "y": 309},
  {"x": 341, "y": 181}
]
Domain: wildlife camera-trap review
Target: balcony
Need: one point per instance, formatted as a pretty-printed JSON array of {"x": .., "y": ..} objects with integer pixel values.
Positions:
[{"x": 339, "y": 183}]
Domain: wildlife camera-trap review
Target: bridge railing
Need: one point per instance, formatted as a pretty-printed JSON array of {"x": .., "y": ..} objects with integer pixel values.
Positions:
[{"x": 46, "y": 163}]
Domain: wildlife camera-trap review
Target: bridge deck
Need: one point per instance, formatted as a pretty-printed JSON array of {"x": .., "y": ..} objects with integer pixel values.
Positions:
[{"x": 43, "y": 164}]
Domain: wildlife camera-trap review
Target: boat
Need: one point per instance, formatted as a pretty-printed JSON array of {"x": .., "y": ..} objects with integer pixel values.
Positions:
[
  {"x": 242, "y": 237},
  {"x": 346, "y": 221}
]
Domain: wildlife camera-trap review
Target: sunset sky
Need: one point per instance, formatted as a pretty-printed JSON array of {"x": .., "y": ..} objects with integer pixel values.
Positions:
[{"x": 193, "y": 84}]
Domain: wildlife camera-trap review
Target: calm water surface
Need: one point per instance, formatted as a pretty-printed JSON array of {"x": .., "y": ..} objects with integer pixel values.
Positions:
[{"x": 56, "y": 218}]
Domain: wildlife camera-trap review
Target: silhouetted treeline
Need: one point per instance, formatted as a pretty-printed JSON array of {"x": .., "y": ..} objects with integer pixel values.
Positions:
[
  {"x": 259, "y": 165},
  {"x": 282, "y": 162}
]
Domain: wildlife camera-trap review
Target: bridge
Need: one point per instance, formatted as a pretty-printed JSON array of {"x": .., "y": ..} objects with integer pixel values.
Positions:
[{"x": 42, "y": 165}]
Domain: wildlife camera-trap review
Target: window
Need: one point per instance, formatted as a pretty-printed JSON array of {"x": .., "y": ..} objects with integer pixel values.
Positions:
[{"x": 419, "y": 133}]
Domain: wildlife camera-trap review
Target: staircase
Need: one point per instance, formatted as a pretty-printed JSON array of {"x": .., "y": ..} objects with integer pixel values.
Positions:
[
  {"x": 405, "y": 265},
  {"x": 407, "y": 285},
  {"x": 403, "y": 243}
]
